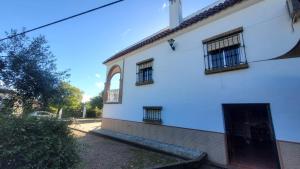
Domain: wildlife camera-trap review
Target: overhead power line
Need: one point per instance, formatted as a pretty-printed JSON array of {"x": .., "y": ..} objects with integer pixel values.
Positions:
[{"x": 62, "y": 20}]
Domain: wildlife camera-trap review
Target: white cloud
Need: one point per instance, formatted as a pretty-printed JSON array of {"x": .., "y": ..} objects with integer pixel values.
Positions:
[
  {"x": 97, "y": 75},
  {"x": 165, "y": 5},
  {"x": 85, "y": 98},
  {"x": 100, "y": 85}
]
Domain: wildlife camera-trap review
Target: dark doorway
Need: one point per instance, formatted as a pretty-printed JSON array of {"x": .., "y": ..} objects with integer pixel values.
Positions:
[{"x": 250, "y": 136}]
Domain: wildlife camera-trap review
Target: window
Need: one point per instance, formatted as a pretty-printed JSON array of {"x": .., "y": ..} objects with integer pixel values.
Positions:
[
  {"x": 144, "y": 72},
  {"x": 226, "y": 57},
  {"x": 114, "y": 89},
  {"x": 225, "y": 52},
  {"x": 113, "y": 86},
  {"x": 152, "y": 114}
]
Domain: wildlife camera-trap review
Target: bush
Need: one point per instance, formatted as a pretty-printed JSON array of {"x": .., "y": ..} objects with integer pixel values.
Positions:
[
  {"x": 27, "y": 143},
  {"x": 93, "y": 112},
  {"x": 67, "y": 113},
  {"x": 98, "y": 112}
]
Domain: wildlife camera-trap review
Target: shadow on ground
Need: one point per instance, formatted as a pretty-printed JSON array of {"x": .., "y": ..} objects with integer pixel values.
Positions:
[
  {"x": 104, "y": 153},
  {"x": 99, "y": 152}
]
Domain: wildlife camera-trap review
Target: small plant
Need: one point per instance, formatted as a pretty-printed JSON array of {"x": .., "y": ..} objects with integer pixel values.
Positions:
[{"x": 27, "y": 143}]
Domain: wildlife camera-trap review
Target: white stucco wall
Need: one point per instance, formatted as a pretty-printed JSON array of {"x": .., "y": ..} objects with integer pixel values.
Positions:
[{"x": 194, "y": 100}]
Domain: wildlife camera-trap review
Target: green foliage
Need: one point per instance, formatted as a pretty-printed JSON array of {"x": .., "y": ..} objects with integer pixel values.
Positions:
[
  {"x": 7, "y": 107},
  {"x": 71, "y": 113},
  {"x": 94, "y": 107},
  {"x": 93, "y": 112},
  {"x": 28, "y": 66},
  {"x": 27, "y": 143},
  {"x": 96, "y": 102},
  {"x": 68, "y": 98}
]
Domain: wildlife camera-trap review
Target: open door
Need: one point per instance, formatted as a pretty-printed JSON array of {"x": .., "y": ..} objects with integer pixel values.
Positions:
[{"x": 250, "y": 136}]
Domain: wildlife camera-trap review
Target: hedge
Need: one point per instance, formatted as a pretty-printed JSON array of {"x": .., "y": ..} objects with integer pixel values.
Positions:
[{"x": 31, "y": 143}]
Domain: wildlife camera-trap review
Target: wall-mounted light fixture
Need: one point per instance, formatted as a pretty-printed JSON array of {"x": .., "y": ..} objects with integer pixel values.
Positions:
[{"x": 172, "y": 43}]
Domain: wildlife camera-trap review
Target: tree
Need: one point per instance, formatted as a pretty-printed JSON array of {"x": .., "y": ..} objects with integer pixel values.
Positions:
[
  {"x": 67, "y": 97},
  {"x": 96, "y": 102},
  {"x": 94, "y": 106},
  {"x": 29, "y": 68}
]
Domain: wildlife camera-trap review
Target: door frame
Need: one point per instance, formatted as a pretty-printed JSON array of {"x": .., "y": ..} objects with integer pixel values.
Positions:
[{"x": 273, "y": 135}]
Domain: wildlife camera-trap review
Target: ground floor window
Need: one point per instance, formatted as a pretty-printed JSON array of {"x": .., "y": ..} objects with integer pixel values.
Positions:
[{"x": 152, "y": 114}]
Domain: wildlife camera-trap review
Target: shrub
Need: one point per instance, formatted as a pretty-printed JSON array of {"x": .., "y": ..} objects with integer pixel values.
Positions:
[
  {"x": 67, "y": 113},
  {"x": 27, "y": 143},
  {"x": 93, "y": 112}
]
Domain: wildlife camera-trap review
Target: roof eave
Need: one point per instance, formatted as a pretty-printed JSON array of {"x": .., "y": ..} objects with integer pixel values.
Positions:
[{"x": 185, "y": 24}]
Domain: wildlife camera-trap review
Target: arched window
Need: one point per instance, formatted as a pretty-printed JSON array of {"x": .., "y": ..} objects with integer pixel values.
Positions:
[{"x": 113, "y": 85}]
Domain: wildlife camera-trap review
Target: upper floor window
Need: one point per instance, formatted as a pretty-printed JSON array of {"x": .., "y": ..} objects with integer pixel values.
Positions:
[
  {"x": 144, "y": 72},
  {"x": 225, "y": 52}
]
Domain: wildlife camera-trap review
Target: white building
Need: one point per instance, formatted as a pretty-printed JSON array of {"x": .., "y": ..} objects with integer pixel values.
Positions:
[{"x": 224, "y": 81}]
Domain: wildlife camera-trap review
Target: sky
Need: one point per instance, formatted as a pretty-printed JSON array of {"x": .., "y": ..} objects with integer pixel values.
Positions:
[{"x": 83, "y": 43}]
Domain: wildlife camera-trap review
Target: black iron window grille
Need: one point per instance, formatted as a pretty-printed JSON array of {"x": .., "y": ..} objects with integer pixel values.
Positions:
[
  {"x": 144, "y": 72},
  {"x": 152, "y": 114},
  {"x": 225, "y": 53}
]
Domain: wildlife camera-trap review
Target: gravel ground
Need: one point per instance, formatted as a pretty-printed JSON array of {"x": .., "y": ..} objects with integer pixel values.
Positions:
[{"x": 102, "y": 153}]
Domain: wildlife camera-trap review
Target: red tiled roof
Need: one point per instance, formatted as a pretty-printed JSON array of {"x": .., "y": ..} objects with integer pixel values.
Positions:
[{"x": 197, "y": 18}]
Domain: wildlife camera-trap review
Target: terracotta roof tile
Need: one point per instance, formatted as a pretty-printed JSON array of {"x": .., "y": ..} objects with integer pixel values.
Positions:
[{"x": 197, "y": 18}]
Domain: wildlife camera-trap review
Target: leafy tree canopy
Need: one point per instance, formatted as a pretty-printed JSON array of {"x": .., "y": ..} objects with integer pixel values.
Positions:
[
  {"x": 29, "y": 68},
  {"x": 94, "y": 106},
  {"x": 96, "y": 102},
  {"x": 67, "y": 97}
]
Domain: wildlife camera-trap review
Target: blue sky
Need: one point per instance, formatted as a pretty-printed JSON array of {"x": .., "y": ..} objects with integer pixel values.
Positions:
[{"x": 83, "y": 43}]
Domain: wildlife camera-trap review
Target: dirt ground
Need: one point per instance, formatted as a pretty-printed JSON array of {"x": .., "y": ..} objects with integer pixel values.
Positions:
[{"x": 102, "y": 153}]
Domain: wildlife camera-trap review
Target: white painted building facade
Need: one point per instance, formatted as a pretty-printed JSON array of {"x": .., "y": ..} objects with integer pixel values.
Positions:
[{"x": 193, "y": 100}]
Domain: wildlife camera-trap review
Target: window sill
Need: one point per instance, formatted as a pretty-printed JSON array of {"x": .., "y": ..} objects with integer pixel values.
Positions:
[
  {"x": 155, "y": 122},
  {"x": 226, "y": 69},
  {"x": 144, "y": 83}
]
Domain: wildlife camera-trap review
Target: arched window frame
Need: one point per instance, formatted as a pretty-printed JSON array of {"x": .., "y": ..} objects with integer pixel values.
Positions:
[{"x": 113, "y": 71}]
